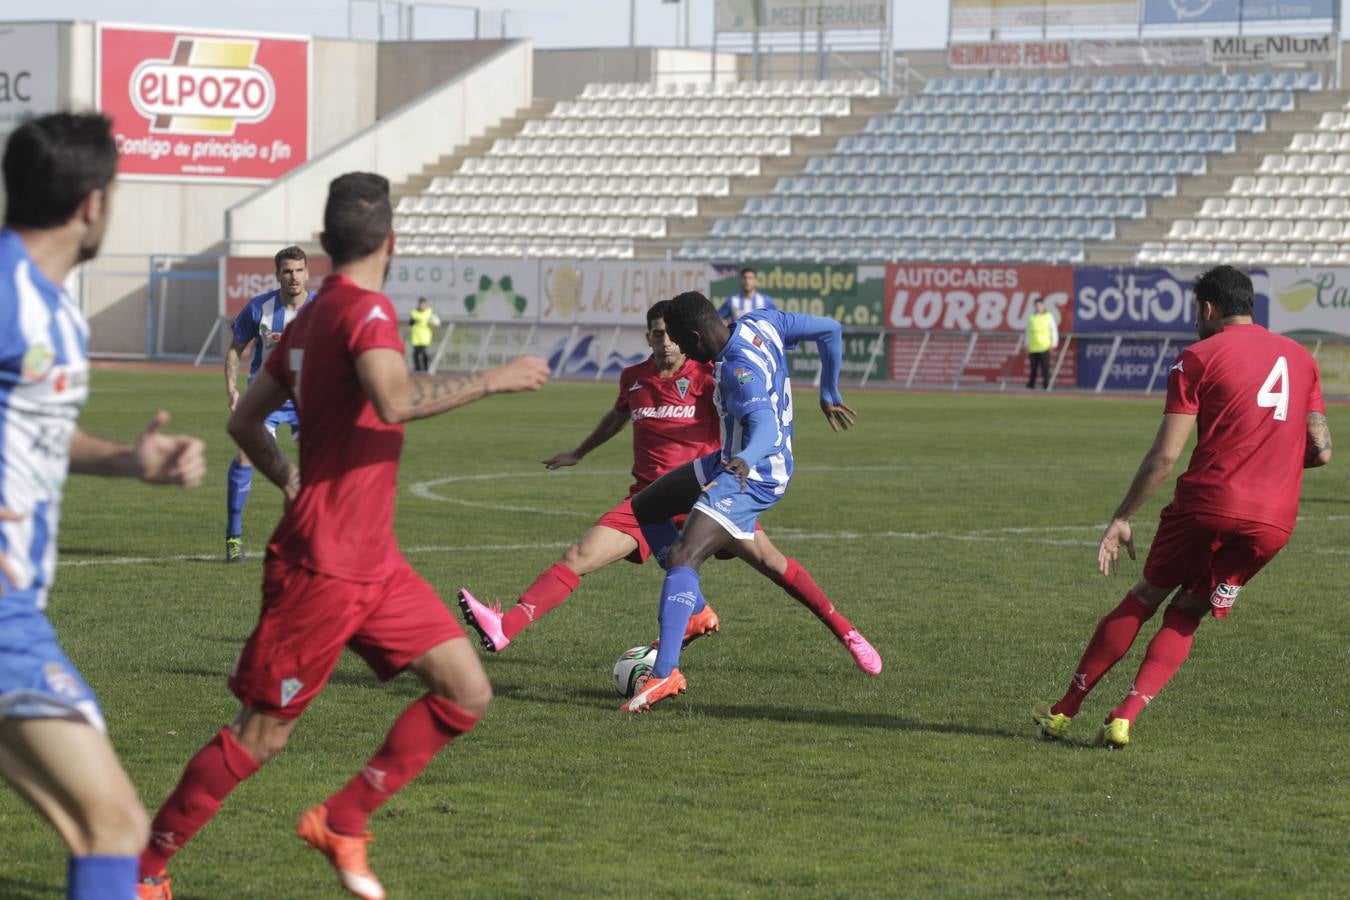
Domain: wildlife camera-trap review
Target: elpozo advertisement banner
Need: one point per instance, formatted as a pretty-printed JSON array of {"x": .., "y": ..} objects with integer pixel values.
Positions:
[
  {"x": 28, "y": 73},
  {"x": 1121, "y": 300},
  {"x": 800, "y": 15},
  {"x": 1204, "y": 12},
  {"x": 1271, "y": 49},
  {"x": 994, "y": 15},
  {"x": 200, "y": 105}
]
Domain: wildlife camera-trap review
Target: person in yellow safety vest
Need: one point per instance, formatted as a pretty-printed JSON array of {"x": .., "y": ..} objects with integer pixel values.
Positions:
[
  {"x": 1042, "y": 337},
  {"x": 423, "y": 320}
]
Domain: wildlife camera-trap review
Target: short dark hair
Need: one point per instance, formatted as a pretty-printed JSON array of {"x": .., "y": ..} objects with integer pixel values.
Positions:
[
  {"x": 53, "y": 163},
  {"x": 357, "y": 217},
  {"x": 687, "y": 312},
  {"x": 1228, "y": 289},
  {"x": 291, "y": 252},
  {"x": 656, "y": 311},
  {"x": 750, "y": 270}
]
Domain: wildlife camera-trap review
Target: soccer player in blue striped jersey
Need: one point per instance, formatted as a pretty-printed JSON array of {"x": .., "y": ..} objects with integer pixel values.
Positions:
[
  {"x": 260, "y": 323},
  {"x": 748, "y": 299},
  {"x": 747, "y": 475},
  {"x": 54, "y": 751}
]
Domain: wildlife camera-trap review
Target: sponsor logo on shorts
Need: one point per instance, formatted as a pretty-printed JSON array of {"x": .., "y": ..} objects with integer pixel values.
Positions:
[
  {"x": 1224, "y": 596},
  {"x": 62, "y": 681},
  {"x": 724, "y": 504},
  {"x": 289, "y": 688}
]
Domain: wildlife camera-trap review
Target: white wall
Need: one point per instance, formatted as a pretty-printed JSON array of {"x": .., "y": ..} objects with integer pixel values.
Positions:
[{"x": 398, "y": 146}]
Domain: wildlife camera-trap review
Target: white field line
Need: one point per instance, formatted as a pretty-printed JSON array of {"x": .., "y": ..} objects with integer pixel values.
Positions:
[{"x": 1037, "y": 535}]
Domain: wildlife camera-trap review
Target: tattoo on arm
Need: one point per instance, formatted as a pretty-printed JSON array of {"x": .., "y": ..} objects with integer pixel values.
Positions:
[
  {"x": 1319, "y": 433},
  {"x": 438, "y": 393},
  {"x": 276, "y": 465}
]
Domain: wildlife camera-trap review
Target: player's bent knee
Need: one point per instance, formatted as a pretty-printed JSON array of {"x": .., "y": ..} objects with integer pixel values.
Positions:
[
  {"x": 472, "y": 695},
  {"x": 115, "y": 827}
]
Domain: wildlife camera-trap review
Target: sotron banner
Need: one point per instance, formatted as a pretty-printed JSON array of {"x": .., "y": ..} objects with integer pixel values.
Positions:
[{"x": 205, "y": 105}]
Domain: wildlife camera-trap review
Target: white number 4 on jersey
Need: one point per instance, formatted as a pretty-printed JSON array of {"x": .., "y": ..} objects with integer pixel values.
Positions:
[{"x": 1275, "y": 392}]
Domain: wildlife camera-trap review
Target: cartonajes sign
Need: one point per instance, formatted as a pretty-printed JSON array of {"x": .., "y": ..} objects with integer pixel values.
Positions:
[{"x": 205, "y": 105}]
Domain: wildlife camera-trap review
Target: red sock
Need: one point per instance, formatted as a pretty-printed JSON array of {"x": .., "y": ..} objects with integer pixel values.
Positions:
[
  {"x": 426, "y": 726},
  {"x": 1166, "y": 652},
  {"x": 549, "y": 590},
  {"x": 216, "y": 770},
  {"x": 803, "y": 588},
  {"x": 1112, "y": 639}
]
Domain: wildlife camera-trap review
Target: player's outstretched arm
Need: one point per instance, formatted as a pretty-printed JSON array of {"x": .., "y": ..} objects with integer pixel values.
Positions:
[
  {"x": 399, "y": 397},
  {"x": 828, "y": 336},
  {"x": 155, "y": 458},
  {"x": 247, "y": 425},
  {"x": 1319, "y": 441},
  {"x": 1158, "y": 462},
  {"x": 232, "y": 355},
  {"x": 610, "y": 424}
]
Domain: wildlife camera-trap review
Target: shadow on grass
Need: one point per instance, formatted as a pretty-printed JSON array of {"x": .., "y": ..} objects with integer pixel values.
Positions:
[{"x": 18, "y": 889}]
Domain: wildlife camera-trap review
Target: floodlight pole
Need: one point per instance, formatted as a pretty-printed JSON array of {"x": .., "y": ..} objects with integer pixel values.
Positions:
[{"x": 632, "y": 23}]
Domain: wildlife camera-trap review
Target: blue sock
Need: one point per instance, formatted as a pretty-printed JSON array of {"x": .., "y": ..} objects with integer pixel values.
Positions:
[
  {"x": 101, "y": 878},
  {"x": 660, "y": 537},
  {"x": 238, "y": 481},
  {"x": 680, "y": 599}
]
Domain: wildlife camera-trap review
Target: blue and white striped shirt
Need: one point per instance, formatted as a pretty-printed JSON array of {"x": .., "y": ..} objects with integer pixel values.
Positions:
[
  {"x": 263, "y": 320},
  {"x": 44, "y": 382},
  {"x": 751, "y": 373},
  {"x": 738, "y": 305}
]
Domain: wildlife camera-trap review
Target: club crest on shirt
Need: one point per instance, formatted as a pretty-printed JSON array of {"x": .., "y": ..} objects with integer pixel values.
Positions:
[
  {"x": 682, "y": 385},
  {"x": 37, "y": 362},
  {"x": 743, "y": 376}
]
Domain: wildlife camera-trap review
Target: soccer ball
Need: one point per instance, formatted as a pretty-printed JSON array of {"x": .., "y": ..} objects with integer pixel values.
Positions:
[{"x": 632, "y": 665}]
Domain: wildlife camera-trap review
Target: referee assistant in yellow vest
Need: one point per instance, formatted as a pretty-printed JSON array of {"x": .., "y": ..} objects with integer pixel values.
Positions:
[
  {"x": 1042, "y": 337},
  {"x": 423, "y": 320}
]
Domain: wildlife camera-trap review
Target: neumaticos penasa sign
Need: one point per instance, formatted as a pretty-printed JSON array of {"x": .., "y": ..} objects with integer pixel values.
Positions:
[{"x": 200, "y": 105}]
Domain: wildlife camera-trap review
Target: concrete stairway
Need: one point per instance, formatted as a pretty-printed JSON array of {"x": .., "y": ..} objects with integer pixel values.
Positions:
[
  {"x": 449, "y": 163},
  {"x": 861, "y": 109},
  {"x": 1220, "y": 172}
]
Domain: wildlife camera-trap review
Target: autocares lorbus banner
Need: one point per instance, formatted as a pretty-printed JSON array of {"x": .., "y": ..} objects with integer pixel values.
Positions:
[
  {"x": 196, "y": 105},
  {"x": 954, "y": 299}
]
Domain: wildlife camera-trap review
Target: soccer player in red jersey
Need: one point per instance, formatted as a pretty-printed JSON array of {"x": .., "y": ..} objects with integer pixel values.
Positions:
[
  {"x": 1257, "y": 399},
  {"x": 333, "y": 577},
  {"x": 669, "y": 399}
]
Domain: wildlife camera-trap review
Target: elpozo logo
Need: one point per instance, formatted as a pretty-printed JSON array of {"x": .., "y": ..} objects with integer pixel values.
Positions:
[{"x": 209, "y": 86}]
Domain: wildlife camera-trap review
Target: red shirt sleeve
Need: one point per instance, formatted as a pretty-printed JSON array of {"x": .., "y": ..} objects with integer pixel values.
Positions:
[
  {"x": 1183, "y": 385},
  {"x": 275, "y": 364},
  {"x": 621, "y": 402},
  {"x": 1315, "y": 403},
  {"x": 372, "y": 325}
]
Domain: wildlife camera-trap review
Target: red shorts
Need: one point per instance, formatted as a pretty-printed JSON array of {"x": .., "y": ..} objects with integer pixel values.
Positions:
[
  {"x": 307, "y": 619},
  {"x": 621, "y": 519},
  {"x": 1210, "y": 556}
]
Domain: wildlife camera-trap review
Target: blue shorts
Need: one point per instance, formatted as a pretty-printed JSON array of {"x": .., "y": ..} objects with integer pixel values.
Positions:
[
  {"x": 37, "y": 681},
  {"x": 724, "y": 501},
  {"x": 284, "y": 416}
]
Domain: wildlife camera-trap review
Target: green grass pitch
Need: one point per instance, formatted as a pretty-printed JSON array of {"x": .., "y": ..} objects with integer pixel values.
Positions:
[{"x": 958, "y": 532}]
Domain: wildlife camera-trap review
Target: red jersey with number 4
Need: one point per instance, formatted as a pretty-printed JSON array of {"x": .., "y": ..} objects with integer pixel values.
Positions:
[
  {"x": 674, "y": 419},
  {"x": 1251, "y": 392},
  {"x": 342, "y": 523}
]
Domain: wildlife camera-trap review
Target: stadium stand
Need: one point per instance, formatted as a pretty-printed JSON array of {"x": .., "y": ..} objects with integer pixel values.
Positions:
[
  {"x": 1006, "y": 169},
  {"x": 1292, "y": 209},
  {"x": 621, "y": 163}
]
